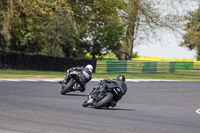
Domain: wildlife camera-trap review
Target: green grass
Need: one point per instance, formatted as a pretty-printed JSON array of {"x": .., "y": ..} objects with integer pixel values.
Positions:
[
  {"x": 30, "y": 74},
  {"x": 179, "y": 75}
]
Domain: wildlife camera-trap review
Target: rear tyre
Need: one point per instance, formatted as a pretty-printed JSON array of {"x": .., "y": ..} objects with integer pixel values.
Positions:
[
  {"x": 103, "y": 102},
  {"x": 67, "y": 87}
]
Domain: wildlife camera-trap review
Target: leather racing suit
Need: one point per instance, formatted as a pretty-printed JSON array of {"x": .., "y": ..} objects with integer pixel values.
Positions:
[{"x": 84, "y": 77}]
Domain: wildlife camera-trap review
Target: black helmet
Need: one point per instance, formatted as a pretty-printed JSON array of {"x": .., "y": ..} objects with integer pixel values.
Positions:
[{"x": 121, "y": 77}]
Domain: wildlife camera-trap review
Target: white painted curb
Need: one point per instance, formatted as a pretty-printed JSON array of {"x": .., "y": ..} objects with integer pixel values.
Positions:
[
  {"x": 56, "y": 80},
  {"x": 5, "y": 131}
]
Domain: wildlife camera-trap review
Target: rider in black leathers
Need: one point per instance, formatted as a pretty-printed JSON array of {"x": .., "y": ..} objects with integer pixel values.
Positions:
[
  {"x": 120, "y": 81},
  {"x": 85, "y": 76}
]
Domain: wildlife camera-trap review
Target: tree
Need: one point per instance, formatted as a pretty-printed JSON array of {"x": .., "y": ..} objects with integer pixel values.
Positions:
[
  {"x": 105, "y": 30},
  {"x": 130, "y": 18},
  {"x": 127, "y": 20},
  {"x": 2, "y": 42},
  {"x": 60, "y": 36},
  {"x": 76, "y": 27},
  {"x": 192, "y": 35},
  {"x": 6, "y": 20},
  {"x": 22, "y": 23},
  {"x": 144, "y": 17},
  {"x": 98, "y": 24}
]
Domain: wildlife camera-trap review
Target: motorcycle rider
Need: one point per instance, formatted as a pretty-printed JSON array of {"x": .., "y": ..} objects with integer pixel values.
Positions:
[
  {"x": 120, "y": 81},
  {"x": 84, "y": 77}
]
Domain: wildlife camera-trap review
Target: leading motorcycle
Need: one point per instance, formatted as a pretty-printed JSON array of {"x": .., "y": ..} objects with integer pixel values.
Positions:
[
  {"x": 71, "y": 82},
  {"x": 102, "y": 96}
]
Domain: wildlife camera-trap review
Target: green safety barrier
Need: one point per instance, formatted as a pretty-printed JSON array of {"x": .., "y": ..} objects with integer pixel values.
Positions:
[
  {"x": 163, "y": 67},
  {"x": 197, "y": 65},
  {"x": 149, "y": 67},
  {"x": 184, "y": 65},
  {"x": 116, "y": 66},
  {"x": 172, "y": 66},
  {"x": 134, "y": 67},
  {"x": 144, "y": 66},
  {"x": 101, "y": 67}
]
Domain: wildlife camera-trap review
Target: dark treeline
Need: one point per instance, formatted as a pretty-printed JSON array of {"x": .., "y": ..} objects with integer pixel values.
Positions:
[{"x": 72, "y": 28}]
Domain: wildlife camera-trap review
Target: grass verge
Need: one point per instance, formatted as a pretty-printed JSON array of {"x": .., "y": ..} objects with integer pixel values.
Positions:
[{"x": 26, "y": 74}]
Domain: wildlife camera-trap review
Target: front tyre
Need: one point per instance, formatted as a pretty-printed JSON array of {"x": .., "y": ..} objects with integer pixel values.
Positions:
[
  {"x": 67, "y": 87},
  {"x": 85, "y": 104},
  {"x": 104, "y": 101}
]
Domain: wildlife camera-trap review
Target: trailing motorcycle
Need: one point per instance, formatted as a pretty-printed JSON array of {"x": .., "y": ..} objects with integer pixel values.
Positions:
[
  {"x": 102, "y": 96},
  {"x": 71, "y": 82}
]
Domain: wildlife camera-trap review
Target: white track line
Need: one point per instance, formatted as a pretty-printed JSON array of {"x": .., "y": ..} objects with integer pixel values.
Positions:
[
  {"x": 56, "y": 80},
  {"x": 5, "y": 131},
  {"x": 198, "y": 111},
  {"x": 147, "y": 80},
  {"x": 31, "y": 80}
]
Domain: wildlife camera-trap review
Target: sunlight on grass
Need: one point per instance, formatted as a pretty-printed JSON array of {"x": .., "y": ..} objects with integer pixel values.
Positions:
[{"x": 27, "y": 74}]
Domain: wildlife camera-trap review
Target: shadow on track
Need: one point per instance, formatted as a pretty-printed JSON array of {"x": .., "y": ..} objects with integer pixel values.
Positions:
[
  {"x": 83, "y": 95},
  {"x": 113, "y": 109},
  {"x": 118, "y": 109}
]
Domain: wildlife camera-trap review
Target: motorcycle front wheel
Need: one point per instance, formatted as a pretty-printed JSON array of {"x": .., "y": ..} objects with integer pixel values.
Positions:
[
  {"x": 85, "y": 104},
  {"x": 104, "y": 101},
  {"x": 67, "y": 87}
]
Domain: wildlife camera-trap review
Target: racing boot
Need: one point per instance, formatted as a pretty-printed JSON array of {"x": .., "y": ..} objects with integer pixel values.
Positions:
[
  {"x": 113, "y": 103},
  {"x": 81, "y": 88},
  {"x": 59, "y": 82}
]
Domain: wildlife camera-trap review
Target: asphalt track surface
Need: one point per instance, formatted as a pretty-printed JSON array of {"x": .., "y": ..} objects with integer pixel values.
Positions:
[{"x": 148, "y": 107}]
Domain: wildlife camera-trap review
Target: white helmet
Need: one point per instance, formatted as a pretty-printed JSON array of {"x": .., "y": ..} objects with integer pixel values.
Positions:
[{"x": 90, "y": 67}]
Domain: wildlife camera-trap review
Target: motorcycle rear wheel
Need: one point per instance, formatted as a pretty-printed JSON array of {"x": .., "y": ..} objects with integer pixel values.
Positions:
[
  {"x": 67, "y": 87},
  {"x": 103, "y": 102}
]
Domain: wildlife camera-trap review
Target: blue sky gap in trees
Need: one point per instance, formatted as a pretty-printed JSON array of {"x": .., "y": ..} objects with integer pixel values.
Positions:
[{"x": 164, "y": 43}]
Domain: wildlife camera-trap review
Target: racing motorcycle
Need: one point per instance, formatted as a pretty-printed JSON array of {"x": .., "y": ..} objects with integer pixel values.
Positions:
[
  {"x": 102, "y": 96},
  {"x": 71, "y": 82}
]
